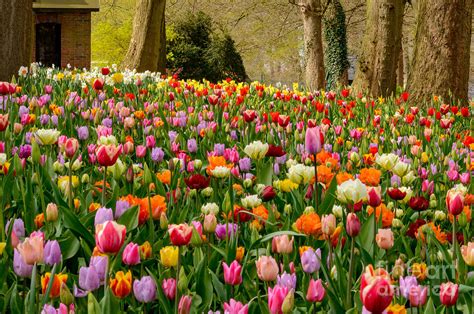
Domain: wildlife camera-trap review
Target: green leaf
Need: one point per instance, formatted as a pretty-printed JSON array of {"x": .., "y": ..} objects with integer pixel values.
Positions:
[
  {"x": 31, "y": 298},
  {"x": 366, "y": 235},
  {"x": 329, "y": 198},
  {"x": 93, "y": 306},
  {"x": 266, "y": 174},
  {"x": 129, "y": 218},
  {"x": 279, "y": 233},
  {"x": 203, "y": 284},
  {"x": 69, "y": 245},
  {"x": 430, "y": 309},
  {"x": 71, "y": 222},
  {"x": 109, "y": 303},
  {"x": 219, "y": 287}
]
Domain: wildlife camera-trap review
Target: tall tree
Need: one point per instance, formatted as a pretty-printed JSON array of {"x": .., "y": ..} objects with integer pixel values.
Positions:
[
  {"x": 147, "y": 49},
  {"x": 442, "y": 49},
  {"x": 311, "y": 11},
  {"x": 378, "y": 60},
  {"x": 16, "y": 30},
  {"x": 335, "y": 54}
]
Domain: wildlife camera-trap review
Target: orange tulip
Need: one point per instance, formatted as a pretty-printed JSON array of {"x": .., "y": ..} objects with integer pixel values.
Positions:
[
  {"x": 58, "y": 280},
  {"x": 121, "y": 285}
]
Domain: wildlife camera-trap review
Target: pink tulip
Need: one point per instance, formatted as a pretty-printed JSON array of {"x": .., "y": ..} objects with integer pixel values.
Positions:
[
  {"x": 70, "y": 147},
  {"x": 131, "y": 254},
  {"x": 235, "y": 307},
  {"x": 282, "y": 244},
  {"x": 316, "y": 291},
  {"x": 169, "y": 288},
  {"x": 267, "y": 268},
  {"x": 384, "y": 238},
  {"x": 352, "y": 225},
  {"x": 314, "y": 140},
  {"x": 454, "y": 202},
  {"x": 109, "y": 236},
  {"x": 448, "y": 293},
  {"x": 465, "y": 178},
  {"x": 328, "y": 224},
  {"x": 232, "y": 274},
  {"x": 184, "y": 306},
  {"x": 150, "y": 141},
  {"x": 31, "y": 249},
  {"x": 427, "y": 186},
  {"x": 140, "y": 150},
  {"x": 418, "y": 295},
  {"x": 374, "y": 196},
  {"x": 276, "y": 296}
]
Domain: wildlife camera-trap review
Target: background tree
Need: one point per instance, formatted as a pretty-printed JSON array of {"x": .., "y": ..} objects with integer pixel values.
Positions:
[
  {"x": 311, "y": 11},
  {"x": 16, "y": 29},
  {"x": 378, "y": 59},
  {"x": 335, "y": 54},
  {"x": 147, "y": 49},
  {"x": 440, "y": 63}
]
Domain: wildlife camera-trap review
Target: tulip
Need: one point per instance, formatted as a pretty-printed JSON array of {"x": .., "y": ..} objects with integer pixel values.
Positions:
[
  {"x": 268, "y": 193},
  {"x": 144, "y": 289},
  {"x": 316, "y": 291},
  {"x": 131, "y": 254},
  {"x": 256, "y": 150},
  {"x": 232, "y": 274},
  {"x": 351, "y": 192},
  {"x": 287, "y": 280},
  {"x": 18, "y": 227},
  {"x": 51, "y": 212},
  {"x": 3, "y": 122},
  {"x": 387, "y": 161},
  {"x": 455, "y": 202},
  {"x": 98, "y": 84},
  {"x": 103, "y": 215},
  {"x": 107, "y": 155},
  {"x": 121, "y": 285},
  {"x": 267, "y": 268},
  {"x": 58, "y": 280},
  {"x": 282, "y": 244},
  {"x": 276, "y": 296},
  {"x": 448, "y": 293},
  {"x": 169, "y": 256},
  {"x": 468, "y": 253},
  {"x": 197, "y": 182},
  {"x": 328, "y": 224},
  {"x": 222, "y": 232},
  {"x": 31, "y": 250},
  {"x": 376, "y": 292},
  {"x": 47, "y": 137},
  {"x": 384, "y": 238},
  {"x": 314, "y": 140},
  {"x": 169, "y": 288},
  {"x": 352, "y": 225},
  {"x": 109, "y": 236},
  {"x": 418, "y": 295},
  {"x": 140, "y": 150},
  {"x": 89, "y": 278},
  {"x": 52, "y": 253},
  {"x": 210, "y": 223},
  {"x": 184, "y": 306},
  {"x": 180, "y": 234},
  {"x": 419, "y": 203},
  {"x": 70, "y": 147},
  {"x": 310, "y": 260},
  {"x": 396, "y": 194},
  {"x": 374, "y": 196},
  {"x": 21, "y": 268},
  {"x": 406, "y": 283},
  {"x": 100, "y": 264},
  {"x": 235, "y": 307}
]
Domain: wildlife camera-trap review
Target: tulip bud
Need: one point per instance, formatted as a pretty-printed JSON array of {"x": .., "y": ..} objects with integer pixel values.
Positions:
[
  {"x": 65, "y": 295},
  {"x": 183, "y": 280},
  {"x": 308, "y": 210},
  {"x": 207, "y": 192},
  {"x": 288, "y": 302},
  {"x": 352, "y": 225},
  {"x": 399, "y": 212},
  {"x": 196, "y": 238},
  {"x": 51, "y": 212},
  {"x": 248, "y": 183},
  {"x": 462, "y": 220},
  {"x": 397, "y": 223},
  {"x": 85, "y": 178},
  {"x": 328, "y": 224},
  {"x": 337, "y": 211},
  {"x": 163, "y": 221},
  {"x": 439, "y": 215},
  {"x": 197, "y": 165},
  {"x": 147, "y": 175},
  {"x": 129, "y": 175},
  {"x": 287, "y": 209},
  {"x": 210, "y": 223}
]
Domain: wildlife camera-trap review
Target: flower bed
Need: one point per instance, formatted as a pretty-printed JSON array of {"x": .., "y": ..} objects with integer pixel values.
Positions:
[{"x": 137, "y": 193}]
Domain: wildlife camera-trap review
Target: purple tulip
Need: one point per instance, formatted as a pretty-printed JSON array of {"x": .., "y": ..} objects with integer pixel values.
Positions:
[
  {"x": 100, "y": 264},
  {"x": 192, "y": 145},
  {"x": 219, "y": 149},
  {"x": 221, "y": 230},
  {"x": 89, "y": 278},
  {"x": 287, "y": 280},
  {"x": 20, "y": 267},
  {"x": 48, "y": 309},
  {"x": 83, "y": 133},
  {"x": 311, "y": 260},
  {"x": 244, "y": 164},
  {"x": 44, "y": 119},
  {"x": 102, "y": 215},
  {"x": 157, "y": 154},
  {"x": 18, "y": 227},
  {"x": 395, "y": 180},
  {"x": 52, "y": 253},
  {"x": 120, "y": 208},
  {"x": 406, "y": 284},
  {"x": 144, "y": 289}
]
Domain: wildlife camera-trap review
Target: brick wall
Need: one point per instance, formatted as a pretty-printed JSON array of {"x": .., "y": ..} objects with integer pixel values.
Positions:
[{"x": 75, "y": 36}]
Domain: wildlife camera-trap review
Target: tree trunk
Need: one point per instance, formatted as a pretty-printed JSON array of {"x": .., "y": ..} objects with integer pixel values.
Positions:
[
  {"x": 440, "y": 64},
  {"x": 400, "y": 71},
  {"x": 335, "y": 55},
  {"x": 378, "y": 61},
  {"x": 16, "y": 30},
  {"x": 147, "y": 49},
  {"x": 313, "y": 44}
]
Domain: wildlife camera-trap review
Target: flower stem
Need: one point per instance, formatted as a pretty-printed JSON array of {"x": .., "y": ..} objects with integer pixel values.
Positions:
[
  {"x": 176, "y": 298},
  {"x": 104, "y": 186},
  {"x": 454, "y": 243},
  {"x": 316, "y": 201},
  {"x": 349, "y": 280}
]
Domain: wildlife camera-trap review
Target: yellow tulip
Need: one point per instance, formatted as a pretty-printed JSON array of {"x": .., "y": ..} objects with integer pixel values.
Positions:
[
  {"x": 2, "y": 247},
  {"x": 169, "y": 256}
]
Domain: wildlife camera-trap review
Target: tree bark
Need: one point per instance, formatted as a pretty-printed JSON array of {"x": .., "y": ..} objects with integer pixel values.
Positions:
[
  {"x": 440, "y": 64},
  {"x": 378, "y": 61},
  {"x": 16, "y": 30},
  {"x": 400, "y": 71},
  {"x": 313, "y": 44},
  {"x": 335, "y": 55},
  {"x": 147, "y": 49}
]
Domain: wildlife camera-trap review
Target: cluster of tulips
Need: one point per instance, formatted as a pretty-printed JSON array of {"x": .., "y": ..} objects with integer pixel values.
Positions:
[{"x": 136, "y": 192}]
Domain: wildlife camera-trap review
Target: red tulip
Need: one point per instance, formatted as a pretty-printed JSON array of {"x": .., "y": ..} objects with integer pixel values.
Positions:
[
  {"x": 109, "y": 236},
  {"x": 249, "y": 115},
  {"x": 396, "y": 194},
  {"x": 4, "y": 88},
  {"x": 107, "y": 155},
  {"x": 268, "y": 193},
  {"x": 448, "y": 293},
  {"x": 283, "y": 120},
  {"x": 275, "y": 151},
  {"x": 197, "y": 181},
  {"x": 376, "y": 291},
  {"x": 70, "y": 147},
  {"x": 352, "y": 225},
  {"x": 98, "y": 84},
  {"x": 419, "y": 203},
  {"x": 105, "y": 71},
  {"x": 374, "y": 196},
  {"x": 180, "y": 234}
]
